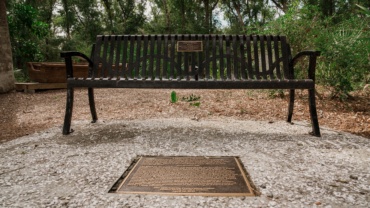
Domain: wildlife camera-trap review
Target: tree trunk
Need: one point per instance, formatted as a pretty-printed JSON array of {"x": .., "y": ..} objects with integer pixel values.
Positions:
[
  {"x": 68, "y": 18},
  {"x": 168, "y": 20},
  {"x": 6, "y": 62},
  {"x": 237, "y": 8}
]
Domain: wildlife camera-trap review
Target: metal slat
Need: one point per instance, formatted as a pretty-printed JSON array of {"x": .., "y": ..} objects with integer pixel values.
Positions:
[
  {"x": 145, "y": 58},
  {"x": 124, "y": 57},
  {"x": 131, "y": 57},
  {"x": 193, "y": 61},
  {"x": 206, "y": 63},
  {"x": 269, "y": 55},
  {"x": 214, "y": 61},
  {"x": 172, "y": 64},
  {"x": 221, "y": 54},
  {"x": 256, "y": 59},
  {"x": 247, "y": 84},
  {"x": 284, "y": 50},
  {"x": 277, "y": 57},
  {"x": 242, "y": 56},
  {"x": 186, "y": 61},
  {"x": 228, "y": 57},
  {"x": 112, "y": 44},
  {"x": 249, "y": 57},
  {"x": 193, "y": 69},
  {"x": 263, "y": 56},
  {"x": 200, "y": 62},
  {"x": 193, "y": 65},
  {"x": 179, "y": 61},
  {"x": 152, "y": 39},
  {"x": 97, "y": 58},
  {"x": 117, "y": 67},
  {"x": 236, "y": 62},
  {"x": 158, "y": 58},
  {"x": 104, "y": 57},
  {"x": 138, "y": 56},
  {"x": 165, "y": 57}
]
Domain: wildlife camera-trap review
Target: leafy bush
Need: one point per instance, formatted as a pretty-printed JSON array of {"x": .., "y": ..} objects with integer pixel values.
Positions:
[
  {"x": 26, "y": 34},
  {"x": 344, "y": 61},
  {"x": 345, "y": 56}
]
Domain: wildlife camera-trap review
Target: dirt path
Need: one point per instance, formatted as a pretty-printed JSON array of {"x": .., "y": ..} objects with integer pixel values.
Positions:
[{"x": 23, "y": 114}]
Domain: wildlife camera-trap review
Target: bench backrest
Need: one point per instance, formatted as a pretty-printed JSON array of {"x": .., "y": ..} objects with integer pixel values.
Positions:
[{"x": 225, "y": 57}]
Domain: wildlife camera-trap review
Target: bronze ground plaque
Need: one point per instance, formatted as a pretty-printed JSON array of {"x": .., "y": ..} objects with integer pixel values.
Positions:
[{"x": 203, "y": 176}]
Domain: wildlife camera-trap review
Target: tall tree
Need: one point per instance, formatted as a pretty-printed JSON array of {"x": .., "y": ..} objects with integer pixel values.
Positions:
[
  {"x": 110, "y": 15},
  {"x": 183, "y": 16},
  {"x": 241, "y": 14},
  {"x": 130, "y": 15},
  {"x": 6, "y": 62},
  {"x": 69, "y": 17},
  {"x": 209, "y": 7}
]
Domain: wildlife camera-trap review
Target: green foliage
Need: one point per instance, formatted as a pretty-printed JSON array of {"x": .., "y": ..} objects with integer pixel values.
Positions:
[
  {"x": 345, "y": 50},
  {"x": 26, "y": 34},
  {"x": 243, "y": 15},
  {"x": 195, "y": 104},
  {"x": 364, "y": 10},
  {"x": 182, "y": 17},
  {"x": 191, "y": 98},
  {"x": 276, "y": 93},
  {"x": 20, "y": 76},
  {"x": 173, "y": 97},
  {"x": 344, "y": 62}
]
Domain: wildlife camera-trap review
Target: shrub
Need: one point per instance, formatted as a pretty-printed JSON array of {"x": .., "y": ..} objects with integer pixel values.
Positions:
[{"x": 345, "y": 46}]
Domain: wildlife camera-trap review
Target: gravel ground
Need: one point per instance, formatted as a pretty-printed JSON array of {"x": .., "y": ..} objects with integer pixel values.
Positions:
[{"x": 289, "y": 167}]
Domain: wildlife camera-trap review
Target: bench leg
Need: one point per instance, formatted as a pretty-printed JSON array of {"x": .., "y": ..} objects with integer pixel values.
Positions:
[
  {"x": 291, "y": 105},
  {"x": 92, "y": 105},
  {"x": 69, "y": 109},
  {"x": 313, "y": 113}
]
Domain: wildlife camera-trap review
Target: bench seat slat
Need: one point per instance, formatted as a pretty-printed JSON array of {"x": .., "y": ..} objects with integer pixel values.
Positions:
[{"x": 200, "y": 84}]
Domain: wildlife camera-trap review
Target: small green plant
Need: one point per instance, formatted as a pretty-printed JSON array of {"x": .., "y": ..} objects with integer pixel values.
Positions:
[
  {"x": 196, "y": 104},
  {"x": 243, "y": 111},
  {"x": 20, "y": 76},
  {"x": 173, "y": 97},
  {"x": 191, "y": 98},
  {"x": 276, "y": 93}
]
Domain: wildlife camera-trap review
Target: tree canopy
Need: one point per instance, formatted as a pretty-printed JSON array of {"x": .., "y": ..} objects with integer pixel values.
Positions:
[{"x": 339, "y": 28}]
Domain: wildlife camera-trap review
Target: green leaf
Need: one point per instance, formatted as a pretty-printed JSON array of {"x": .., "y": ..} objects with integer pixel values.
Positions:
[{"x": 173, "y": 97}]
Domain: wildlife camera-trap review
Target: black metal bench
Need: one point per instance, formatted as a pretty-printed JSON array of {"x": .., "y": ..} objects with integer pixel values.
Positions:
[{"x": 192, "y": 62}]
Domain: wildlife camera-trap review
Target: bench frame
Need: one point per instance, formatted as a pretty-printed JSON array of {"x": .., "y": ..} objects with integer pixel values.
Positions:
[{"x": 197, "y": 78}]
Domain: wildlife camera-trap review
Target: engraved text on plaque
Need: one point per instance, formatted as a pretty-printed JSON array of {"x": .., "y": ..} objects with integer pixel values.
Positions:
[
  {"x": 189, "y": 46},
  {"x": 209, "y": 176}
]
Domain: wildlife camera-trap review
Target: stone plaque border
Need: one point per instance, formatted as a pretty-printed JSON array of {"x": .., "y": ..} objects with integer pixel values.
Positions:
[{"x": 137, "y": 181}]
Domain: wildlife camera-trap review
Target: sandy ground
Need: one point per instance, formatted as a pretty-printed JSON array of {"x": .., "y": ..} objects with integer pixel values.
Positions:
[{"x": 289, "y": 167}]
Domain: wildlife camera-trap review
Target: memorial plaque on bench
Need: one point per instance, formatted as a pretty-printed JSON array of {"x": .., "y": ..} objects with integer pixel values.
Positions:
[
  {"x": 203, "y": 176},
  {"x": 189, "y": 46}
]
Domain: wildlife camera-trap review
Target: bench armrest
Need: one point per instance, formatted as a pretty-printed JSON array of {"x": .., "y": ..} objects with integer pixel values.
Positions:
[
  {"x": 67, "y": 55},
  {"x": 312, "y": 62}
]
